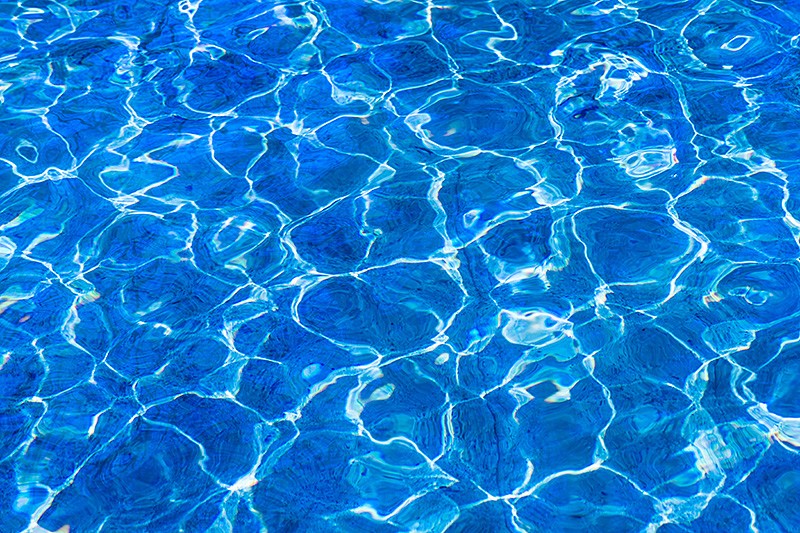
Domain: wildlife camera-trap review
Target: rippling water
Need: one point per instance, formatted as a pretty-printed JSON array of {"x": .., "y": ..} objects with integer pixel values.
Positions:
[{"x": 400, "y": 265}]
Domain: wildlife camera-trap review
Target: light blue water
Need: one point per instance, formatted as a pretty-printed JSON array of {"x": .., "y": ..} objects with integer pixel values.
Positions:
[{"x": 400, "y": 266}]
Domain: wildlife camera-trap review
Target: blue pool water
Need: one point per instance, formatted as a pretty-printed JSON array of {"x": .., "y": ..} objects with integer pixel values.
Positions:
[{"x": 400, "y": 266}]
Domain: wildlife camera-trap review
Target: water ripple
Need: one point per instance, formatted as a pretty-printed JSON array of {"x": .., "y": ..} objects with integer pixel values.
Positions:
[{"x": 382, "y": 265}]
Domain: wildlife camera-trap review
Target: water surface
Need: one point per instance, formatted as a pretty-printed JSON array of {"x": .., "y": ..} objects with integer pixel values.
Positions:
[{"x": 399, "y": 265}]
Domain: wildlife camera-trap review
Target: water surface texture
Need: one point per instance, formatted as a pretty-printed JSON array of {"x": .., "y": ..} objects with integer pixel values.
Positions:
[{"x": 400, "y": 266}]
